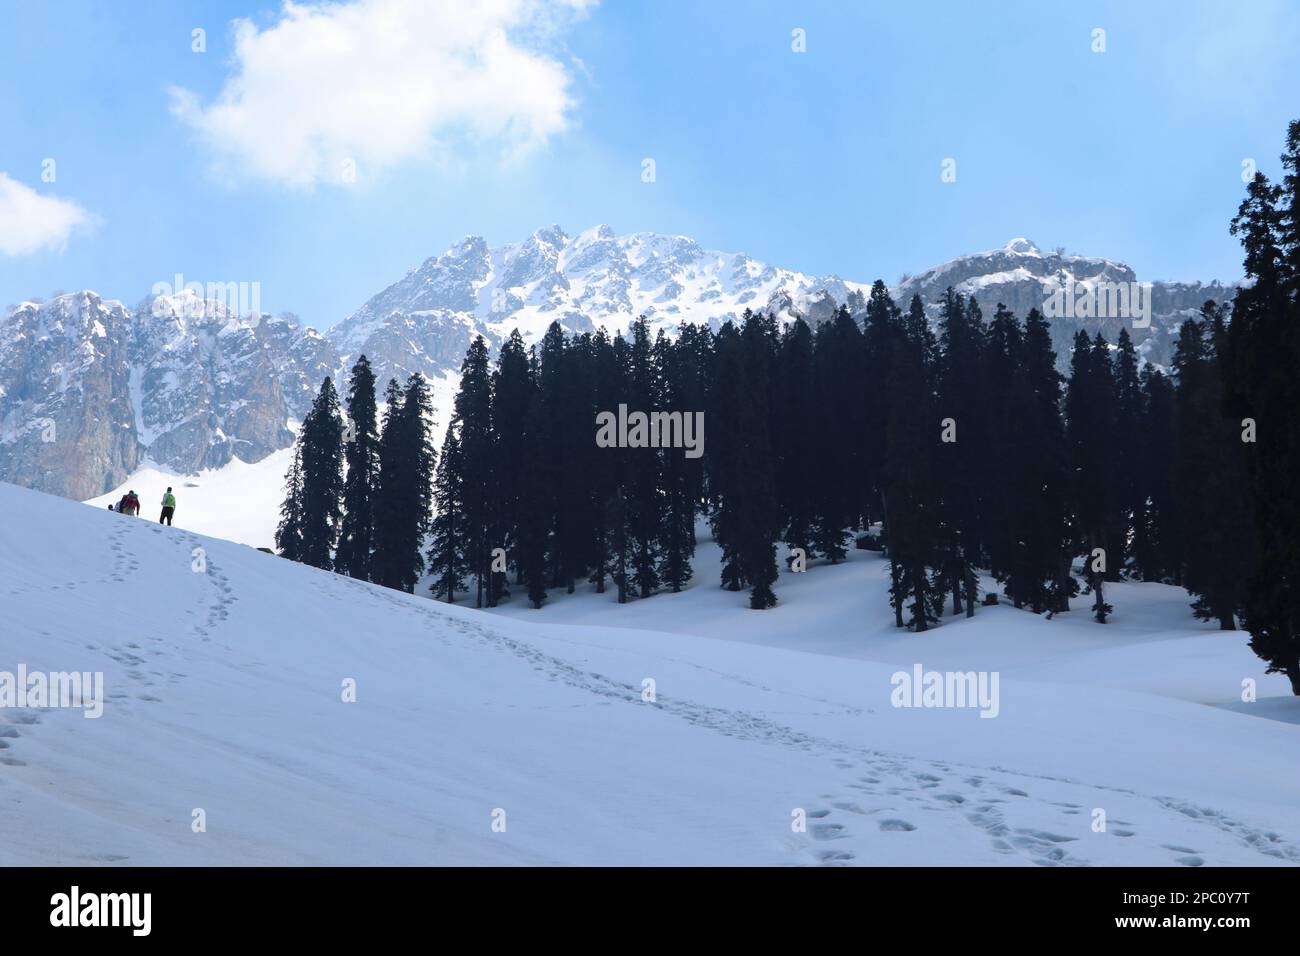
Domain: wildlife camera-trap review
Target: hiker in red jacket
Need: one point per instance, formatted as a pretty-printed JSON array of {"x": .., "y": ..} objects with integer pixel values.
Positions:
[{"x": 129, "y": 505}]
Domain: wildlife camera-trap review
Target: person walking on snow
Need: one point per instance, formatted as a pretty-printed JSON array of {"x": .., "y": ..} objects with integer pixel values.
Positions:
[
  {"x": 129, "y": 505},
  {"x": 169, "y": 508}
]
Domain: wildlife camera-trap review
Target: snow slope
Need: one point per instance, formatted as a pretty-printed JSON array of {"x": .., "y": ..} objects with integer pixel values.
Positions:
[
  {"x": 224, "y": 693},
  {"x": 239, "y": 502}
]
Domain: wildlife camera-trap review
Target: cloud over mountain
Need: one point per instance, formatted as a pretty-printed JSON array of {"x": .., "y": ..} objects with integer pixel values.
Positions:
[
  {"x": 31, "y": 221},
  {"x": 334, "y": 88}
]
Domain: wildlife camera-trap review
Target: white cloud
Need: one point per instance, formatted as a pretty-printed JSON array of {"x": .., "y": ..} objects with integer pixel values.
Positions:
[
  {"x": 377, "y": 82},
  {"x": 30, "y": 221}
]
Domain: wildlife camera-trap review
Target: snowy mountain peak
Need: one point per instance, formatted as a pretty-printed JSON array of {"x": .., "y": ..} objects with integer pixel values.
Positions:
[
  {"x": 467, "y": 248},
  {"x": 1023, "y": 247},
  {"x": 596, "y": 278}
]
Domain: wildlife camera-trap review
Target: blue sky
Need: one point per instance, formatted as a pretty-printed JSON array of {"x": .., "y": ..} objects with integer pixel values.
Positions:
[{"x": 823, "y": 161}]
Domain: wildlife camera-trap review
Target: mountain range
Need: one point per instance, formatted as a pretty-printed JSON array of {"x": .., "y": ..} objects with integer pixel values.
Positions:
[{"x": 91, "y": 390}]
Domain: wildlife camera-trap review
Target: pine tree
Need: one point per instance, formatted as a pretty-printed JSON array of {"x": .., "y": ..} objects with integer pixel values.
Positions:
[
  {"x": 643, "y": 507},
  {"x": 417, "y": 424},
  {"x": 288, "y": 535},
  {"x": 883, "y": 328},
  {"x": 361, "y": 453},
  {"x": 693, "y": 354},
  {"x": 512, "y": 397},
  {"x": 473, "y": 419},
  {"x": 1090, "y": 418},
  {"x": 385, "y": 565},
  {"x": 912, "y": 437},
  {"x": 760, "y": 519},
  {"x": 795, "y": 445},
  {"x": 576, "y": 454},
  {"x": 1130, "y": 501},
  {"x": 1263, "y": 347},
  {"x": 322, "y": 478},
  {"x": 1158, "y": 544},
  {"x": 534, "y": 501},
  {"x": 677, "y": 525},
  {"x": 606, "y": 464},
  {"x": 553, "y": 395},
  {"x": 1006, "y": 402},
  {"x": 725, "y": 402},
  {"x": 837, "y": 379},
  {"x": 1209, "y": 475},
  {"x": 961, "y": 401},
  {"x": 446, "y": 559},
  {"x": 1042, "y": 531},
  {"x": 746, "y": 522}
]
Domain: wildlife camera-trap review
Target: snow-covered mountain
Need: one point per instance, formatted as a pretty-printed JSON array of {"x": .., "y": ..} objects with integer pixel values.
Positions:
[
  {"x": 91, "y": 390},
  {"x": 426, "y": 320},
  {"x": 1022, "y": 277}
]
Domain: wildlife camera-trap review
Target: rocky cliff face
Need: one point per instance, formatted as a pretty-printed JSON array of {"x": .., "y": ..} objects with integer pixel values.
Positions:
[{"x": 90, "y": 389}]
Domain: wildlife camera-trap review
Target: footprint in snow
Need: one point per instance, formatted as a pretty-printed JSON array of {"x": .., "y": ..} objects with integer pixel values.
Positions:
[
  {"x": 828, "y": 831},
  {"x": 835, "y": 856},
  {"x": 901, "y": 825}
]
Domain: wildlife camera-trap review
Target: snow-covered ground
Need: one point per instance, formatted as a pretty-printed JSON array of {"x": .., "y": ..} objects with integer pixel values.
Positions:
[
  {"x": 239, "y": 502},
  {"x": 224, "y": 691}
]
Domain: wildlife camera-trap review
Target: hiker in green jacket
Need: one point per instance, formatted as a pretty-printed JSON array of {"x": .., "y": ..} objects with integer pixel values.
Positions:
[{"x": 169, "y": 507}]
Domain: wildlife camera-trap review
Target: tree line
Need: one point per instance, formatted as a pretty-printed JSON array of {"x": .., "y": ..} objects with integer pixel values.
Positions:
[{"x": 956, "y": 447}]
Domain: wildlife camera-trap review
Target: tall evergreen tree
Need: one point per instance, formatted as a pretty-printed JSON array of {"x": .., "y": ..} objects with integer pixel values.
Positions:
[
  {"x": 1130, "y": 500},
  {"x": 1006, "y": 402},
  {"x": 837, "y": 380},
  {"x": 677, "y": 526},
  {"x": 322, "y": 478},
  {"x": 406, "y": 469},
  {"x": 961, "y": 401},
  {"x": 389, "y": 520},
  {"x": 473, "y": 419},
  {"x": 1042, "y": 530},
  {"x": 747, "y": 521},
  {"x": 1263, "y": 345},
  {"x": 911, "y": 495},
  {"x": 760, "y": 523},
  {"x": 1090, "y": 416},
  {"x": 418, "y": 423},
  {"x": 1158, "y": 542},
  {"x": 1210, "y": 472},
  {"x": 795, "y": 439},
  {"x": 512, "y": 397},
  {"x": 535, "y": 500},
  {"x": 605, "y": 469},
  {"x": 643, "y": 512},
  {"x": 361, "y": 454},
  {"x": 288, "y": 534},
  {"x": 446, "y": 559},
  {"x": 883, "y": 329}
]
